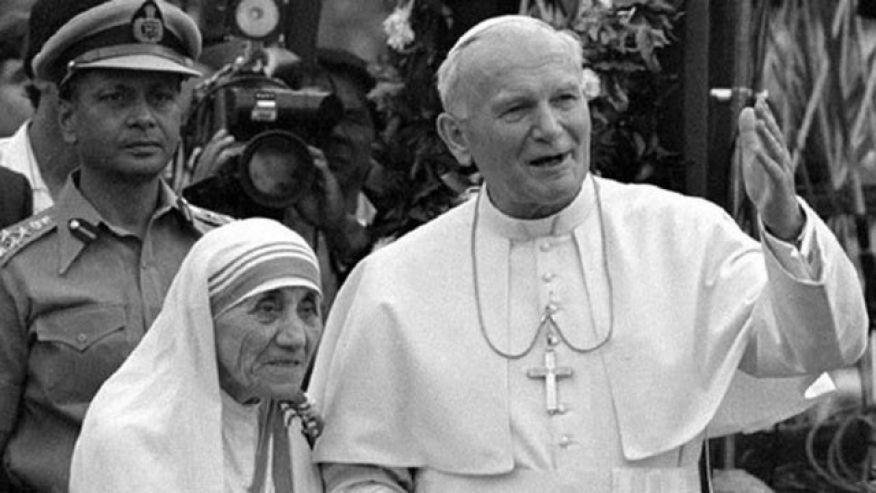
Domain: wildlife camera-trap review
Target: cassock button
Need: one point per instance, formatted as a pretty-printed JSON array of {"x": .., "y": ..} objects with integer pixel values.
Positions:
[
  {"x": 547, "y": 277},
  {"x": 546, "y": 246},
  {"x": 553, "y": 308},
  {"x": 565, "y": 441}
]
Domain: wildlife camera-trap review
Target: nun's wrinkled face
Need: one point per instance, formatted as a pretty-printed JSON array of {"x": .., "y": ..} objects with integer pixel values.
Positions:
[{"x": 263, "y": 343}]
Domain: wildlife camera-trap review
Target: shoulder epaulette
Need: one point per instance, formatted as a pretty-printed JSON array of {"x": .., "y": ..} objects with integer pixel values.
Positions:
[
  {"x": 14, "y": 238},
  {"x": 207, "y": 217},
  {"x": 202, "y": 219}
]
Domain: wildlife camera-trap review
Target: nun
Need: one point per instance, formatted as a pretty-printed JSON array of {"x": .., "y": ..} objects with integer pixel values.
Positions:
[{"x": 211, "y": 400}]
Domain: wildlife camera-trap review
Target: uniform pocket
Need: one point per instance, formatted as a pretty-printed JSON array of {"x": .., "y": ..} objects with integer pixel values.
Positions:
[
  {"x": 81, "y": 327},
  {"x": 76, "y": 349}
]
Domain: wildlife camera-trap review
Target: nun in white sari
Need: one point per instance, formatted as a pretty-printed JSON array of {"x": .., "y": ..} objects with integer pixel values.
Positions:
[{"x": 210, "y": 399}]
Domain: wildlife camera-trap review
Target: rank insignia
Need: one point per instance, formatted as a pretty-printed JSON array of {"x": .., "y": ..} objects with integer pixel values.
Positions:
[
  {"x": 20, "y": 234},
  {"x": 148, "y": 25}
]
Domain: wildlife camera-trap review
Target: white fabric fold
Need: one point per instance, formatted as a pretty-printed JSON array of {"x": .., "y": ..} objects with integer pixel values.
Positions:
[
  {"x": 157, "y": 423},
  {"x": 690, "y": 305}
]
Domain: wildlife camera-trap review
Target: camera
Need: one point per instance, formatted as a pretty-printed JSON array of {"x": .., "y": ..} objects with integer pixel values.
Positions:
[{"x": 272, "y": 121}]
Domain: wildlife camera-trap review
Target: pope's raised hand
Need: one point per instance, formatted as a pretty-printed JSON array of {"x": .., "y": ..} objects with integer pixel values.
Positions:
[{"x": 768, "y": 173}]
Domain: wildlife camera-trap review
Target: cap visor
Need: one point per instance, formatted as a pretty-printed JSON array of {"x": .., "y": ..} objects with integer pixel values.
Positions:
[{"x": 142, "y": 62}]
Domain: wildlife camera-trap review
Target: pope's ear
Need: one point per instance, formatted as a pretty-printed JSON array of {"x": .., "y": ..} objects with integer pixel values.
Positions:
[{"x": 451, "y": 132}]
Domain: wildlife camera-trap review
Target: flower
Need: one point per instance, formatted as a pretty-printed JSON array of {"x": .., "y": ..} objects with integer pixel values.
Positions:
[
  {"x": 397, "y": 26},
  {"x": 384, "y": 93},
  {"x": 591, "y": 84}
]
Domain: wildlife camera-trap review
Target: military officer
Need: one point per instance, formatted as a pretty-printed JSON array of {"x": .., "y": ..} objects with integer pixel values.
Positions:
[{"x": 81, "y": 282}]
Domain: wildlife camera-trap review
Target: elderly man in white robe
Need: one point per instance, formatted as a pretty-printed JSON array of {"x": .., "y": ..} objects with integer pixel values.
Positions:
[{"x": 564, "y": 332}]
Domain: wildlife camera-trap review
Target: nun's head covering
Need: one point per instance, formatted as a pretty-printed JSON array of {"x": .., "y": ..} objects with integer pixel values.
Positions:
[
  {"x": 254, "y": 256},
  {"x": 156, "y": 424}
]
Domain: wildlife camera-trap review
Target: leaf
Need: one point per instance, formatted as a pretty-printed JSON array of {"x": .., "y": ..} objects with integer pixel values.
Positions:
[{"x": 639, "y": 144}]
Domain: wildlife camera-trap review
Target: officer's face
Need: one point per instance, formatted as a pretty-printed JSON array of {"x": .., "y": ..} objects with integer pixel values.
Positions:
[
  {"x": 263, "y": 343},
  {"x": 123, "y": 123}
]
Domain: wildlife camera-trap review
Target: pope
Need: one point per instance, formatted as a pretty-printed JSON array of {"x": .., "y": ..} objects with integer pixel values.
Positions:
[{"x": 565, "y": 332}]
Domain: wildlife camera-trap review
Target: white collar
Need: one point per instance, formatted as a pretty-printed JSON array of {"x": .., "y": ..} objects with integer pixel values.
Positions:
[{"x": 560, "y": 223}]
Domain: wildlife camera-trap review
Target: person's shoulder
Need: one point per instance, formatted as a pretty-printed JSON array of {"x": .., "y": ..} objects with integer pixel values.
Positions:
[
  {"x": 208, "y": 217},
  {"x": 10, "y": 174},
  {"x": 616, "y": 190},
  {"x": 435, "y": 233},
  {"x": 663, "y": 214},
  {"x": 14, "y": 184},
  {"x": 643, "y": 198},
  {"x": 16, "y": 197},
  {"x": 204, "y": 219},
  {"x": 15, "y": 239}
]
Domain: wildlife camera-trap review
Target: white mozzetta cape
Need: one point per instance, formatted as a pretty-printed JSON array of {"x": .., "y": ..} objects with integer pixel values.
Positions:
[{"x": 404, "y": 377}]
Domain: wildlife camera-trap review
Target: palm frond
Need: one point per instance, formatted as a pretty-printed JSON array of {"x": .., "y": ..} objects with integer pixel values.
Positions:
[{"x": 821, "y": 77}]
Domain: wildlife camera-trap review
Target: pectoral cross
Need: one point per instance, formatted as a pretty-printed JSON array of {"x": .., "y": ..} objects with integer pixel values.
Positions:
[{"x": 551, "y": 373}]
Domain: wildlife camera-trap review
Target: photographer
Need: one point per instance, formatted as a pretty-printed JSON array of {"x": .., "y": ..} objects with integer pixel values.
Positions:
[
  {"x": 325, "y": 212},
  {"x": 347, "y": 152}
]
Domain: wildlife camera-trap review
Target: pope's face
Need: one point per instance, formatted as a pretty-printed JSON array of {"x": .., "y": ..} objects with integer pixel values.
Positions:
[
  {"x": 263, "y": 343},
  {"x": 123, "y": 123},
  {"x": 526, "y": 124}
]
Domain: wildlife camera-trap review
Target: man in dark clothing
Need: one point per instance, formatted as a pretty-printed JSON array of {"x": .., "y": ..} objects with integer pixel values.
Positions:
[{"x": 15, "y": 197}]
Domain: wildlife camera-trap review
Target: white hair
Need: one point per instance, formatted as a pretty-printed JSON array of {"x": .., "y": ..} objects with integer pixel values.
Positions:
[{"x": 450, "y": 72}]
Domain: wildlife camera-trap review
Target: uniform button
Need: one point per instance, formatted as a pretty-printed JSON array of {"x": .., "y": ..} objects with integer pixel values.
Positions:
[
  {"x": 562, "y": 409},
  {"x": 565, "y": 441},
  {"x": 81, "y": 338},
  {"x": 547, "y": 277},
  {"x": 546, "y": 246},
  {"x": 553, "y": 307}
]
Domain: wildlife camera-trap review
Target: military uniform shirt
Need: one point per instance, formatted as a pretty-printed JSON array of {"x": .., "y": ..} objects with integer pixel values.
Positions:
[{"x": 76, "y": 295}]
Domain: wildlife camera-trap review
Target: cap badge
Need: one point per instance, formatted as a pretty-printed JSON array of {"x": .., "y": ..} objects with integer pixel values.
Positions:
[{"x": 147, "y": 24}]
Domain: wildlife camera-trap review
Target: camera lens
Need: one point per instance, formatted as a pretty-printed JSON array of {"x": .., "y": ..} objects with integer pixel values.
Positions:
[{"x": 276, "y": 168}]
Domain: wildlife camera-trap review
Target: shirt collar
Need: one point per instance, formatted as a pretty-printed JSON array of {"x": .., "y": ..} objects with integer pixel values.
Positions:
[
  {"x": 79, "y": 223},
  {"x": 39, "y": 185},
  {"x": 560, "y": 223},
  {"x": 18, "y": 155}
]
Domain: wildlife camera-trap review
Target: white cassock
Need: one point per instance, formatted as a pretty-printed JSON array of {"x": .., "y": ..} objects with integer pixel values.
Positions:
[{"x": 406, "y": 379}]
